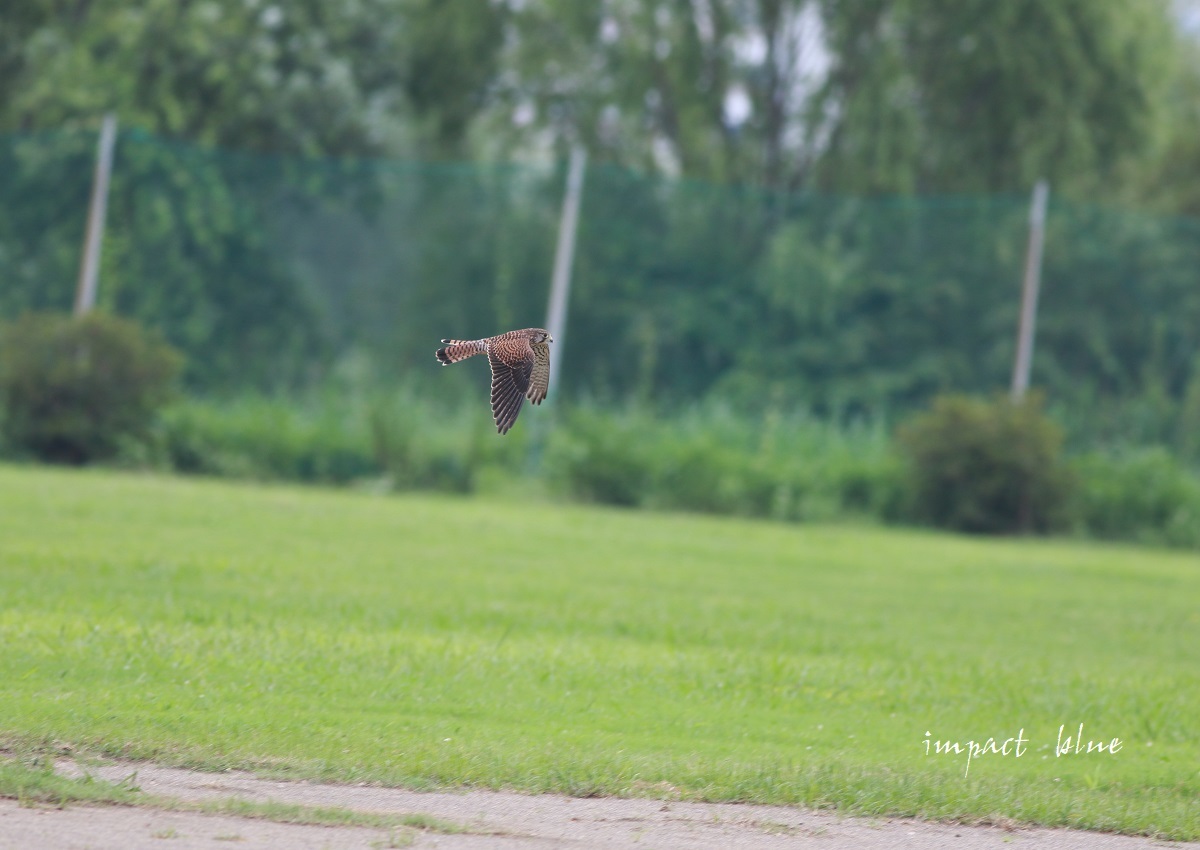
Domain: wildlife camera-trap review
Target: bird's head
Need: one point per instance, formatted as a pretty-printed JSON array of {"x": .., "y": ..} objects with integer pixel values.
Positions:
[{"x": 541, "y": 336}]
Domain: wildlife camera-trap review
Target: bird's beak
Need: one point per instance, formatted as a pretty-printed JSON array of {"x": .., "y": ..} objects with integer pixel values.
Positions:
[{"x": 549, "y": 338}]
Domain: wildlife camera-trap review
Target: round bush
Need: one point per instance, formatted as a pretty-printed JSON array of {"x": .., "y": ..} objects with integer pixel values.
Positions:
[
  {"x": 73, "y": 389},
  {"x": 991, "y": 467}
]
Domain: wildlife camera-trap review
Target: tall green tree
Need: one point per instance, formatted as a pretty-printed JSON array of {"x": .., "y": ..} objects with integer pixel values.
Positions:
[
  {"x": 450, "y": 66},
  {"x": 975, "y": 95},
  {"x": 854, "y": 95},
  {"x": 1172, "y": 183},
  {"x": 300, "y": 76},
  {"x": 703, "y": 88}
]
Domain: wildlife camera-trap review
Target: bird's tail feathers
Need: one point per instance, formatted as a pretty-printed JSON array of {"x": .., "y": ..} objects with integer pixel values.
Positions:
[{"x": 460, "y": 349}]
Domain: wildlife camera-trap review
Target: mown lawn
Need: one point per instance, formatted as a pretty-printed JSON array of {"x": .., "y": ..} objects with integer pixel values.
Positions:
[{"x": 425, "y": 641}]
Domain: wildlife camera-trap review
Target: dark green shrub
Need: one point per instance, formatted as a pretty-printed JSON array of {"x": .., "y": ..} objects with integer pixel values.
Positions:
[
  {"x": 395, "y": 438},
  {"x": 74, "y": 389},
  {"x": 1188, "y": 427},
  {"x": 602, "y": 458},
  {"x": 1145, "y": 496},
  {"x": 989, "y": 467},
  {"x": 699, "y": 472},
  {"x": 422, "y": 446},
  {"x": 859, "y": 484},
  {"x": 267, "y": 439},
  {"x": 715, "y": 460}
]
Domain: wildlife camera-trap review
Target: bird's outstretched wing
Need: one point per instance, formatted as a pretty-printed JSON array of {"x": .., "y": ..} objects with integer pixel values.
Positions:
[{"x": 512, "y": 364}]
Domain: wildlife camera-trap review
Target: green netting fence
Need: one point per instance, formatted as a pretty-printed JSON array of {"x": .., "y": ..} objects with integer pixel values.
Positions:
[{"x": 274, "y": 272}]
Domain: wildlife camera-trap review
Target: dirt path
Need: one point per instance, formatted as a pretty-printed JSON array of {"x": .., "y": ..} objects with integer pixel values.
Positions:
[{"x": 494, "y": 820}]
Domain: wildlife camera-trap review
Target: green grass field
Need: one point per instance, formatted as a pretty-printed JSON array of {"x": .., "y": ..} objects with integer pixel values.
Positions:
[{"x": 428, "y": 641}]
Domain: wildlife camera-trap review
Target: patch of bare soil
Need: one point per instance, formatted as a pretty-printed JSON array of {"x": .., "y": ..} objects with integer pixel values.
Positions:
[{"x": 493, "y": 820}]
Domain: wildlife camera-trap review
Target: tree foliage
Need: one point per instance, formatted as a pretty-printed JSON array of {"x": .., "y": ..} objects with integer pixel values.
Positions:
[
  {"x": 844, "y": 95},
  {"x": 302, "y": 76},
  {"x": 973, "y": 95},
  {"x": 858, "y": 95},
  {"x": 707, "y": 88}
]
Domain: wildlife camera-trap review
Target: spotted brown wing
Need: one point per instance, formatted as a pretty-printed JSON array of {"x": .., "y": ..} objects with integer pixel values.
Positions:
[{"x": 512, "y": 365}]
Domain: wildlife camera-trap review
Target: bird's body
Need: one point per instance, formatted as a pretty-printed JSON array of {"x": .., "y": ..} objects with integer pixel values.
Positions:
[{"x": 520, "y": 362}]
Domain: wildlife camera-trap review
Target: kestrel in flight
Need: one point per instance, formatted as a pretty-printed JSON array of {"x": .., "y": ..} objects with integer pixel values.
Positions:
[{"x": 520, "y": 363}]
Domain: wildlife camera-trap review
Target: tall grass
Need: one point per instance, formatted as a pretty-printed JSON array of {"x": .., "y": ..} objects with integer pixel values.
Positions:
[
  {"x": 396, "y": 439},
  {"x": 709, "y": 458},
  {"x": 706, "y": 458},
  {"x": 1144, "y": 495},
  {"x": 713, "y": 460},
  {"x": 268, "y": 439}
]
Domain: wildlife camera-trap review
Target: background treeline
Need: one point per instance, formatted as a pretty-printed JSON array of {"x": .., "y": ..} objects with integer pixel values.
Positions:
[
  {"x": 1101, "y": 97},
  {"x": 273, "y": 273}
]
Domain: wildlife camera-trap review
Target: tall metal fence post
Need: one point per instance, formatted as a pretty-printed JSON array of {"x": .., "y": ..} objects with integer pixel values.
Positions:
[
  {"x": 1029, "y": 291},
  {"x": 89, "y": 267},
  {"x": 560, "y": 284}
]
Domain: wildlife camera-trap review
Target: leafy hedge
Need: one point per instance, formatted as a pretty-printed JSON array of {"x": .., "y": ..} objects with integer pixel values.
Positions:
[
  {"x": 397, "y": 440},
  {"x": 987, "y": 456},
  {"x": 710, "y": 460},
  {"x": 1143, "y": 495},
  {"x": 787, "y": 467}
]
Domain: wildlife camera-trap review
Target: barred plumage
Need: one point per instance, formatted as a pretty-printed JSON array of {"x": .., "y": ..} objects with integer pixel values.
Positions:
[{"x": 520, "y": 362}]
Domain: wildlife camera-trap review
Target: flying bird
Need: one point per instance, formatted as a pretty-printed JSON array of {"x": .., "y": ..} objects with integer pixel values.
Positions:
[{"x": 520, "y": 363}]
